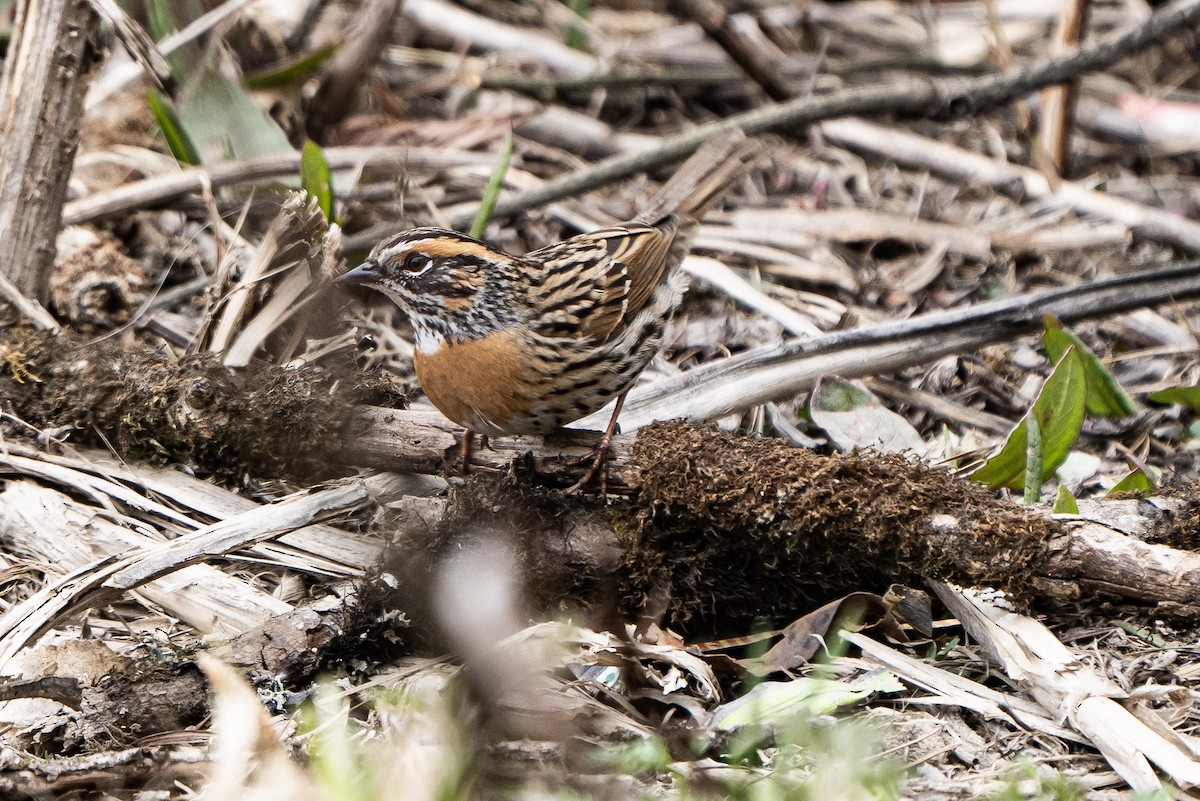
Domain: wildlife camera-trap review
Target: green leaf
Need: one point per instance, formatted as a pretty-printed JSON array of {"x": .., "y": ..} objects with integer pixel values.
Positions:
[
  {"x": 178, "y": 141},
  {"x": 776, "y": 701},
  {"x": 574, "y": 36},
  {"x": 291, "y": 72},
  {"x": 1139, "y": 481},
  {"x": 492, "y": 191},
  {"x": 1064, "y": 502},
  {"x": 1106, "y": 397},
  {"x": 315, "y": 178},
  {"x": 224, "y": 123},
  {"x": 1059, "y": 410},
  {"x": 1187, "y": 396}
]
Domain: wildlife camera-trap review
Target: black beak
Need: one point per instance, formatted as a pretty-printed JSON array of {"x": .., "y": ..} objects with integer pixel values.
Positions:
[{"x": 365, "y": 273}]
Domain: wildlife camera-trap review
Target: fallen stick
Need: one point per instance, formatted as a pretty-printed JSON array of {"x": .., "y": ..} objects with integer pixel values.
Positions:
[
  {"x": 52, "y": 528},
  {"x": 106, "y": 578},
  {"x": 163, "y": 188},
  {"x": 737, "y": 521},
  {"x": 778, "y": 372},
  {"x": 1050, "y": 673},
  {"x": 919, "y": 152}
]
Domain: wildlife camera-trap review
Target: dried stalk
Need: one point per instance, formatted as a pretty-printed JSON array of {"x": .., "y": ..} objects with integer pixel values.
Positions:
[
  {"x": 46, "y": 75},
  {"x": 164, "y": 188}
]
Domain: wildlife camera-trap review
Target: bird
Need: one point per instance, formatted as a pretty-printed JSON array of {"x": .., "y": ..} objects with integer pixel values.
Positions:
[{"x": 507, "y": 344}]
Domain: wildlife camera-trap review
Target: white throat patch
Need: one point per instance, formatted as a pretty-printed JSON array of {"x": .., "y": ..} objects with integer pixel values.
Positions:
[{"x": 425, "y": 339}]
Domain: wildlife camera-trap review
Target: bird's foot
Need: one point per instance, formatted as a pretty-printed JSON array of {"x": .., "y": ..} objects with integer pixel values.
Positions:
[{"x": 598, "y": 460}]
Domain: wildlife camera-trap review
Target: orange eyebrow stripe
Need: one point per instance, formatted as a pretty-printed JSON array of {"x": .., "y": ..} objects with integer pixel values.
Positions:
[{"x": 441, "y": 248}]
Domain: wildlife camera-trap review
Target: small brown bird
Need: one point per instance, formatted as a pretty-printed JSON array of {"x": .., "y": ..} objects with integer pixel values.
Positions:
[{"x": 527, "y": 344}]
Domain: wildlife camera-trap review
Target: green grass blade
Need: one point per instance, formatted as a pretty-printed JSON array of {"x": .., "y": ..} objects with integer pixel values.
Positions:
[
  {"x": 1033, "y": 460},
  {"x": 292, "y": 72},
  {"x": 168, "y": 121},
  {"x": 492, "y": 191}
]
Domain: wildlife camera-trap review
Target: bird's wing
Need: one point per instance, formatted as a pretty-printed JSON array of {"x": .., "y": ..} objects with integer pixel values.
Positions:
[{"x": 589, "y": 284}]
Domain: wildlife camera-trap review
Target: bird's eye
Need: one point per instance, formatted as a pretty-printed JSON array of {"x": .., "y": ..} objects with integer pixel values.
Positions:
[{"x": 415, "y": 262}]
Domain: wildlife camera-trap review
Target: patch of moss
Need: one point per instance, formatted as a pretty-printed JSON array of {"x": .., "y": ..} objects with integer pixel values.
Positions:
[
  {"x": 742, "y": 528},
  {"x": 263, "y": 420},
  {"x": 1183, "y": 530}
]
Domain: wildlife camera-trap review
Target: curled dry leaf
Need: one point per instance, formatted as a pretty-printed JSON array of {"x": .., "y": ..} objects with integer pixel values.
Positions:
[{"x": 808, "y": 635}]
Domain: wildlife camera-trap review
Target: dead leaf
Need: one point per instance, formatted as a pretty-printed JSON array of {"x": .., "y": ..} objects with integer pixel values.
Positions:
[{"x": 805, "y": 637}]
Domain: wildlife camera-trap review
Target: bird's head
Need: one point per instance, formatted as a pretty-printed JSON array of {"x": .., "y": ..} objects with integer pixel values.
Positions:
[{"x": 442, "y": 279}]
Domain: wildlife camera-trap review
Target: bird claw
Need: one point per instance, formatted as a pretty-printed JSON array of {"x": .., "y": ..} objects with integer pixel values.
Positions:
[
  {"x": 600, "y": 453},
  {"x": 599, "y": 459}
]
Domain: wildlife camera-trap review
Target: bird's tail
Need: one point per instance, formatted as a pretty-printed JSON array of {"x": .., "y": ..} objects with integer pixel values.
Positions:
[{"x": 719, "y": 163}]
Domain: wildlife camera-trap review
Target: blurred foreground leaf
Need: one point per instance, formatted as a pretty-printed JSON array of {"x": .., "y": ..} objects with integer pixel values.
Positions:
[{"x": 778, "y": 701}]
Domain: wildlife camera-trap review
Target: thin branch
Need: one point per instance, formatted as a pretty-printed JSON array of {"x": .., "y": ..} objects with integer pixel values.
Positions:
[
  {"x": 713, "y": 17},
  {"x": 543, "y": 86},
  {"x": 777, "y": 372},
  {"x": 1012, "y": 179},
  {"x": 164, "y": 188}
]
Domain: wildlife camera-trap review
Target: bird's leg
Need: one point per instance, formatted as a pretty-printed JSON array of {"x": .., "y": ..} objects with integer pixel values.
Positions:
[
  {"x": 468, "y": 445},
  {"x": 601, "y": 449}
]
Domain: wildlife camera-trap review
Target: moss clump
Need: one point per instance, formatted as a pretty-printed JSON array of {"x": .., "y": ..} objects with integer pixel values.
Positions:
[
  {"x": 263, "y": 420},
  {"x": 742, "y": 528}
]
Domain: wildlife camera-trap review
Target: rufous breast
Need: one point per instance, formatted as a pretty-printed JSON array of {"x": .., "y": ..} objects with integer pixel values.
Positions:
[{"x": 478, "y": 383}]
